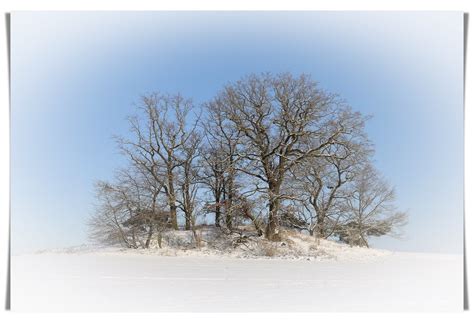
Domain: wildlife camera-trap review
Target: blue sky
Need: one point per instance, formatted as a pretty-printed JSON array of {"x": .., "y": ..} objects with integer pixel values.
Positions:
[{"x": 76, "y": 76}]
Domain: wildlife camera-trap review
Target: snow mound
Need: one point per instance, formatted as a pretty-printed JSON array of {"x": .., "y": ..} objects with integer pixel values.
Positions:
[{"x": 242, "y": 243}]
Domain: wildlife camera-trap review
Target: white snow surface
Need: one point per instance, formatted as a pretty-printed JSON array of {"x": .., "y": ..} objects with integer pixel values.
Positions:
[{"x": 301, "y": 276}]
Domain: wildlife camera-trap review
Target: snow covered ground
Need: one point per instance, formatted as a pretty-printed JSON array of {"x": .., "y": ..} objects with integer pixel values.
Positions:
[{"x": 117, "y": 280}]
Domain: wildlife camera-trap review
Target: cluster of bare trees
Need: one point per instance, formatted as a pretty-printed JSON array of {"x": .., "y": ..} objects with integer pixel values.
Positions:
[{"x": 268, "y": 150}]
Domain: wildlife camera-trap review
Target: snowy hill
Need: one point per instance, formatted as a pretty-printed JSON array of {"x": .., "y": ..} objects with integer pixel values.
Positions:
[{"x": 215, "y": 243}]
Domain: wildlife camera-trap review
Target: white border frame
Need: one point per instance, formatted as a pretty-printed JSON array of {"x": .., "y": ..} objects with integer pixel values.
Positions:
[{"x": 28, "y": 5}]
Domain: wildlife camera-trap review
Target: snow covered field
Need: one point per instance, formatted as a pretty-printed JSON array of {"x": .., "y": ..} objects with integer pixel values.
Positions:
[{"x": 113, "y": 280}]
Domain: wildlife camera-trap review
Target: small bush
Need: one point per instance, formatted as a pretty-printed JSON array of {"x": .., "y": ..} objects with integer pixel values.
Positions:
[{"x": 269, "y": 250}]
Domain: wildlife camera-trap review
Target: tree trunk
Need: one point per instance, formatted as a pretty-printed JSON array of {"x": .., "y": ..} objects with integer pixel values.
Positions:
[
  {"x": 188, "y": 203},
  {"x": 320, "y": 225},
  {"x": 160, "y": 239},
  {"x": 218, "y": 215},
  {"x": 230, "y": 202},
  {"x": 217, "y": 200},
  {"x": 172, "y": 200},
  {"x": 171, "y": 193},
  {"x": 187, "y": 224},
  {"x": 247, "y": 213},
  {"x": 150, "y": 234},
  {"x": 228, "y": 215},
  {"x": 273, "y": 225},
  {"x": 174, "y": 220},
  {"x": 134, "y": 239}
]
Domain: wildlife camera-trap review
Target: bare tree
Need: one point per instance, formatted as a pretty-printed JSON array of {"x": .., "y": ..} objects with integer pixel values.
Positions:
[
  {"x": 158, "y": 141},
  {"x": 106, "y": 226},
  {"x": 212, "y": 177},
  {"x": 128, "y": 212},
  {"x": 370, "y": 210},
  {"x": 318, "y": 180},
  {"x": 222, "y": 139},
  {"x": 189, "y": 178},
  {"x": 274, "y": 116}
]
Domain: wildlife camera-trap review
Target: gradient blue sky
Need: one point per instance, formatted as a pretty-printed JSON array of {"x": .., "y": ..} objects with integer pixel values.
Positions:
[{"x": 76, "y": 76}]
